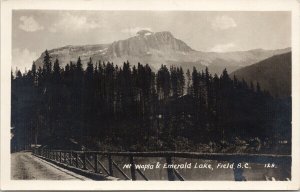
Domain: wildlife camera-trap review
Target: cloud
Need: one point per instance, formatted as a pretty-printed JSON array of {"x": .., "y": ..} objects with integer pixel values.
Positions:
[
  {"x": 223, "y": 22},
  {"x": 29, "y": 24},
  {"x": 133, "y": 31},
  {"x": 223, "y": 47},
  {"x": 72, "y": 22},
  {"x": 23, "y": 59}
]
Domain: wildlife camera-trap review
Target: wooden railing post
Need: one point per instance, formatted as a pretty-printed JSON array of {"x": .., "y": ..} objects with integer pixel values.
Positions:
[
  {"x": 70, "y": 158},
  {"x": 65, "y": 155},
  {"x": 110, "y": 166},
  {"x": 132, "y": 168},
  {"x": 96, "y": 162},
  {"x": 171, "y": 176},
  {"x": 76, "y": 160},
  {"x": 84, "y": 160}
]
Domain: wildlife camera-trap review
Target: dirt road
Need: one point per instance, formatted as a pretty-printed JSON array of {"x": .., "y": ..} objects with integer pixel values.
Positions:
[{"x": 25, "y": 166}]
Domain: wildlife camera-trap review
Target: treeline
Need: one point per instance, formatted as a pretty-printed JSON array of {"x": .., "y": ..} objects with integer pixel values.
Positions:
[{"x": 133, "y": 108}]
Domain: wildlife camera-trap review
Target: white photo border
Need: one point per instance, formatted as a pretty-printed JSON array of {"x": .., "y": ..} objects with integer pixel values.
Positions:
[{"x": 7, "y": 6}]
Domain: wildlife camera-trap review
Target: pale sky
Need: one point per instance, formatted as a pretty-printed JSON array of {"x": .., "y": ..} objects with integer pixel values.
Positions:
[{"x": 34, "y": 31}]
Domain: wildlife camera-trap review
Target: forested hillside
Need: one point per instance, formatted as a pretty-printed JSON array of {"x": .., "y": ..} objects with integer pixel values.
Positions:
[
  {"x": 273, "y": 74},
  {"x": 133, "y": 108}
]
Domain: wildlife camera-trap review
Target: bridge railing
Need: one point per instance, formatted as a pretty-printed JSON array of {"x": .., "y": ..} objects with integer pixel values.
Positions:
[{"x": 90, "y": 160}]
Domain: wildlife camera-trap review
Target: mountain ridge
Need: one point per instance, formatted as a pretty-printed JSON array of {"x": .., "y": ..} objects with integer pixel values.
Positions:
[
  {"x": 156, "y": 48},
  {"x": 273, "y": 74}
]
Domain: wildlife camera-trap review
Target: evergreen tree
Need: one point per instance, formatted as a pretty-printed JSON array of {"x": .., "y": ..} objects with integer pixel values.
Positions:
[
  {"x": 188, "y": 75},
  {"x": 258, "y": 87},
  {"x": 47, "y": 63}
]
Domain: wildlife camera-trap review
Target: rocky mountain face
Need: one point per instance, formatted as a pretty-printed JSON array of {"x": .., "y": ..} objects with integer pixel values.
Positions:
[
  {"x": 146, "y": 44},
  {"x": 159, "y": 48},
  {"x": 273, "y": 74}
]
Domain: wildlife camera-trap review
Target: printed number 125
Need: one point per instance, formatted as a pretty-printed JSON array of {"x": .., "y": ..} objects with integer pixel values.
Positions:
[{"x": 270, "y": 165}]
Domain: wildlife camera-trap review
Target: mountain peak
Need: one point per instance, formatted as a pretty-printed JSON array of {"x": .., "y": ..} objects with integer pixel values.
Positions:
[
  {"x": 146, "y": 43},
  {"x": 165, "y": 35}
]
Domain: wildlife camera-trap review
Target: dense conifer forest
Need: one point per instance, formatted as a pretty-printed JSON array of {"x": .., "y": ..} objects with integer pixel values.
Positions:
[{"x": 133, "y": 108}]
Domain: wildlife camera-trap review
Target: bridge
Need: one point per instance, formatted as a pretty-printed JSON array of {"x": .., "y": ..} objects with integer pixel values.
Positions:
[
  {"x": 25, "y": 166},
  {"x": 99, "y": 165}
]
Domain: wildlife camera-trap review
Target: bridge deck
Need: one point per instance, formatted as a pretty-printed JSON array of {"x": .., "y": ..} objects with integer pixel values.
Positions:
[{"x": 25, "y": 166}]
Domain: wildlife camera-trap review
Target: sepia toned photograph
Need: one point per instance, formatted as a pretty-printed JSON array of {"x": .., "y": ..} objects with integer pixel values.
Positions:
[{"x": 150, "y": 95}]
